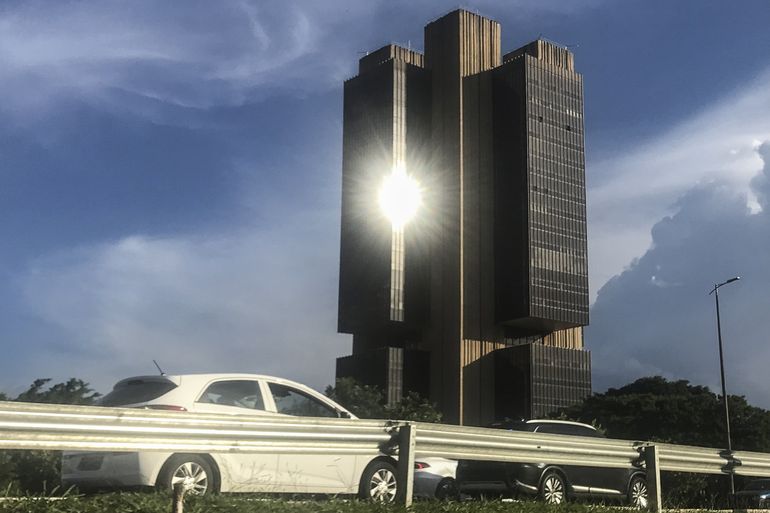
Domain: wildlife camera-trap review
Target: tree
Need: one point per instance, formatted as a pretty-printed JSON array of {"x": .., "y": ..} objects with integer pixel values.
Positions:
[
  {"x": 655, "y": 409},
  {"x": 368, "y": 402},
  {"x": 39, "y": 471},
  {"x": 414, "y": 407},
  {"x": 364, "y": 401},
  {"x": 74, "y": 391}
]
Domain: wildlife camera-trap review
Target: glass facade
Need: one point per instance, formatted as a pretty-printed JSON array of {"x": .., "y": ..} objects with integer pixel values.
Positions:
[
  {"x": 373, "y": 253},
  {"x": 397, "y": 275},
  {"x": 541, "y": 241},
  {"x": 556, "y": 193},
  {"x": 533, "y": 380}
]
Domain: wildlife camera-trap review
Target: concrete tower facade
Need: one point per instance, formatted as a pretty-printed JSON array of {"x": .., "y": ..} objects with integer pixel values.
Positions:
[{"x": 478, "y": 302}]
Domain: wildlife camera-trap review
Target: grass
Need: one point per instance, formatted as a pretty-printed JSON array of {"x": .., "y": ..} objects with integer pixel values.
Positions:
[{"x": 161, "y": 503}]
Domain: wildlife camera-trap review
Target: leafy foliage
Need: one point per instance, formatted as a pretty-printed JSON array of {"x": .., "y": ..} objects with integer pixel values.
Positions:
[
  {"x": 240, "y": 503},
  {"x": 74, "y": 391},
  {"x": 39, "y": 471},
  {"x": 368, "y": 402},
  {"x": 364, "y": 401},
  {"x": 656, "y": 409},
  {"x": 414, "y": 407}
]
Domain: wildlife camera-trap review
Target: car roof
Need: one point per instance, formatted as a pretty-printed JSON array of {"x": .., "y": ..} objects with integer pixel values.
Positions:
[
  {"x": 562, "y": 422},
  {"x": 198, "y": 380},
  {"x": 206, "y": 377},
  {"x": 521, "y": 423}
]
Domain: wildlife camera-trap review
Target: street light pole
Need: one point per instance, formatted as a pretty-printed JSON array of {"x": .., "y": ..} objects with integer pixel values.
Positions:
[{"x": 715, "y": 291}]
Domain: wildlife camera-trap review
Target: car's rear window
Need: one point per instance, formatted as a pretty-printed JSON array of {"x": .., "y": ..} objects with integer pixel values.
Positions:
[{"x": 136, "y": 391}]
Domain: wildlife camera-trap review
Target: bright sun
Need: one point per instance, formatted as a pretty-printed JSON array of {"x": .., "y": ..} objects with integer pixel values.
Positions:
[{"x": 399, "y": 196}]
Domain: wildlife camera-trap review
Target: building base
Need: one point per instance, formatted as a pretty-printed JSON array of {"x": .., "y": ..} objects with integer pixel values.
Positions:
[{"x": 533, "y": 380}]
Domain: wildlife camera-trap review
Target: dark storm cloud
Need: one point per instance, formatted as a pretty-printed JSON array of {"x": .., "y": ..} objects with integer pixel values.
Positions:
[{"x": 657, "y": 317}]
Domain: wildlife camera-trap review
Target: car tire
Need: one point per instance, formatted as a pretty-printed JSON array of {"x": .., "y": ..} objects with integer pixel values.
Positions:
[
  {"x": 553, "y": 488},
  {"x": 379, "y": 482},
  {"x": 637, "y": 492},
  {"x": 190, "y": 469},
  {"x": 447, "y": 489}
]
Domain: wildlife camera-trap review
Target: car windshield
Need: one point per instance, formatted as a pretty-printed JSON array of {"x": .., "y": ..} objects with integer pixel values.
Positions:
[
  {"x": 136, "y": 391},
  {"x": 759, "y": 484}
]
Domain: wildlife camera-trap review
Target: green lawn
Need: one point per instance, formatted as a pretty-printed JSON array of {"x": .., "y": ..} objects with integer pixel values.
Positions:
[{"x": 159, "y": 503}]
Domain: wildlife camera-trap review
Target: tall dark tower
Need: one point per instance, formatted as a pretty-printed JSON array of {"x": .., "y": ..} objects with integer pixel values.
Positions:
[{"x": 479, "y": 302}]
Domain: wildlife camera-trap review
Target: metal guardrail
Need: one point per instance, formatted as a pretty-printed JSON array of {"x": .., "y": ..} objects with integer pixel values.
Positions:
[
  {"x": 64, "y": 427},
  {"x": 457, "y": 442},
  {"x": 704, "y": 460},
  {"x": 753, "y": 464},
  {"x": 697, "y": 460}
]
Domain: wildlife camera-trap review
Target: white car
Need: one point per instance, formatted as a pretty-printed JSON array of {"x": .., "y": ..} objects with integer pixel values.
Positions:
[{"x": 372, "y": 477}]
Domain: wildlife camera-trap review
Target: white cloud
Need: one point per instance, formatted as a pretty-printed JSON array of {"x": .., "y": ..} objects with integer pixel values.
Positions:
[
  {"x": 630, "y": 191},
  {"x": 639, "y": 328},
  {"x": 191, "y": 54},
  {"x": 198, "y": 54},
  {"x": 250, "y": 301}
]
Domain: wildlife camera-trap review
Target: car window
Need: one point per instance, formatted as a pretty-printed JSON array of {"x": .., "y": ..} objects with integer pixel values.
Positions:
[
  {"x": 291, "y": 401},
  {"x": 136, "y": 391},
  {"x": 240, "y": 393}
]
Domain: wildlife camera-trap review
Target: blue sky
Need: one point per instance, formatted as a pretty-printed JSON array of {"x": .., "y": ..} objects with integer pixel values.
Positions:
[{"x": 170, "y": 181}]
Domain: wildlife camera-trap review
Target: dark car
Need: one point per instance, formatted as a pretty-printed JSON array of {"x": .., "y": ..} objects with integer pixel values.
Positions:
[
  {"x": 756, "y": 494},
  {"x": 552, "y": 483}
]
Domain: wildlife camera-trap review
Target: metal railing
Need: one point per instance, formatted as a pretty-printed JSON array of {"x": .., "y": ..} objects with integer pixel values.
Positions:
[
  {"x": 469, "y": 443},
  {"x": 60, "y": 427},
  {"x": 64, "y": 427}
]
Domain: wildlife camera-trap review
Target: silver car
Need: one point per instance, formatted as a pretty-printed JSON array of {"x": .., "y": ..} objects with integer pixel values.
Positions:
[{"x": 434, "y": 478}]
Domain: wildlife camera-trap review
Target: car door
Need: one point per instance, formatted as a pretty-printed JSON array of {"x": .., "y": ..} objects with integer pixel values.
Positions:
[
  {"x": 580, "y": 477},
  {"x": 583, "y": 478},
  {"x": 310, "y": 473},
  {"x": 247, "y": 472},
  {"x": 601, "y": 481}
]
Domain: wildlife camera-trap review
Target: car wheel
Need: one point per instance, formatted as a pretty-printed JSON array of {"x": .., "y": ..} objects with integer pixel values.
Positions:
[
  {"x": 447, "y": 489},
  {"x": 189, "y": 469},
  {"x": 379, "y": 482},
  {"x": 553, "y": 489},
  {"x": 637, "y": 492}
]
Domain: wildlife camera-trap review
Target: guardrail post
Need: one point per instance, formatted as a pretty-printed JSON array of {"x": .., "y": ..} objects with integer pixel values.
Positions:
[
  {"x": 405, "y": 464},
  {"x": 177, "y": 500},
  {"x": 652, "y": 462}
]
